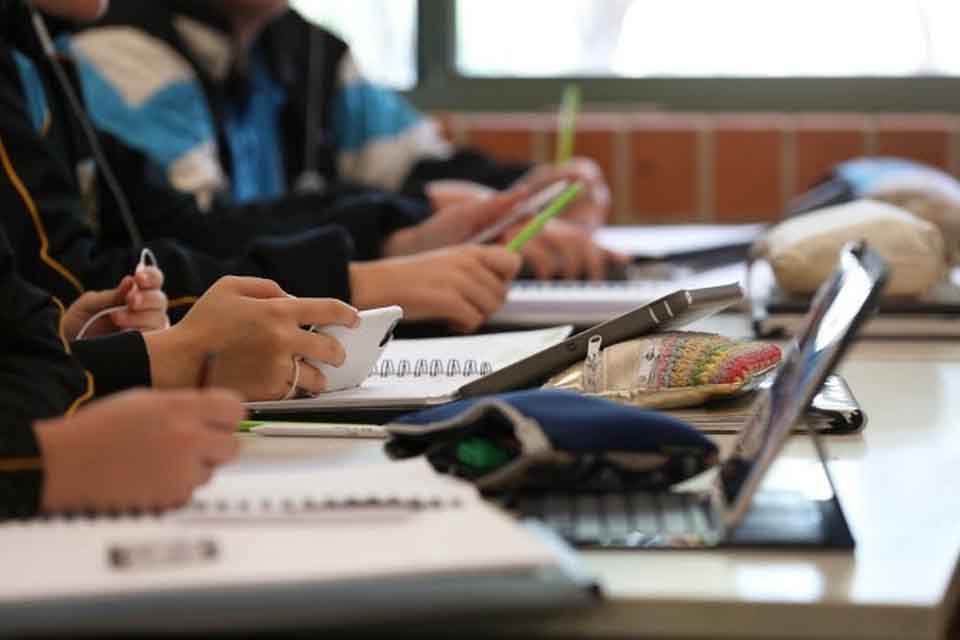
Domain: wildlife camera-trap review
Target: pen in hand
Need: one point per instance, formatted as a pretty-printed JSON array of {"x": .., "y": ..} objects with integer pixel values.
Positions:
[
  {"x": 567, "y": 129},
  {"x": 536, "y": 225}
]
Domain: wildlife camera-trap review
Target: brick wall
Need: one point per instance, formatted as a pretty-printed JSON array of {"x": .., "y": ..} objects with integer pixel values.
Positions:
[{"x": 713, "y": 167}]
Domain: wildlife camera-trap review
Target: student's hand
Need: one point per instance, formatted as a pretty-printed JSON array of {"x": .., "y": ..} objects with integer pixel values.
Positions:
[
  {"x": 566, "y": 250},
  {"x": 448, "y": 193},
  {"x": 142, "y": 295},
  {"x": 255, "y": 331},
  {"x": 137, "y": 450},
  {"x": 462, "y": 285},
  {"x": 456, "y": 223},
  {"x": 592, "y": 205}
]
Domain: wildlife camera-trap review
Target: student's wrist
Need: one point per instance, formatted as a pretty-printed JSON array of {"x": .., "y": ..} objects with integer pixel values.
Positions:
[
  {"x": 175, "y": 358},
  {"x": 404, "y": 242},
  {"x": 364, "y": 285}
]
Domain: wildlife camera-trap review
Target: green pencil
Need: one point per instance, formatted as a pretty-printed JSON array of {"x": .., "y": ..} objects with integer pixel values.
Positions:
[
  {"x": 567, "y": 128},
  {"x": 540, "y": 221},
  {"x": 246, "y": 425}
]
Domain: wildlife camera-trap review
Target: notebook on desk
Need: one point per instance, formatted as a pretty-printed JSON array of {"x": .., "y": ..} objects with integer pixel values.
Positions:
[
  {"x": 414, "y": 374},
  {"x": 734, "y": 512},
  {"x": 262, "y": 551},
  {"x": 683, "y": 242},
  {"x": 834, "y": 411},
  {"x": 533, "y": 303}
]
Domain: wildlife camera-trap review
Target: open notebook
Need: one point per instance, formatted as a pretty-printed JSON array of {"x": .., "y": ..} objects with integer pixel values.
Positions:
[
  {"x": 358, "y": 544},
  {"x": 429, "y": 371},
  {"x": 413, "y": 374}
]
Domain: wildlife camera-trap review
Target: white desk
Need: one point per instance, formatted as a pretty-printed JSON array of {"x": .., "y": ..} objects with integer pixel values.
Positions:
[{"x": 898, "y": 485}]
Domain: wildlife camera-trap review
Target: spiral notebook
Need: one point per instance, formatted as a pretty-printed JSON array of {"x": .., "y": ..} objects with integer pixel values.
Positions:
[
  {"x": 414, "y": 374},
  {"x": 533, "y": 303},
  {"x": 834, "y": 411},
  {"x": 351, "y": 545},
  {"x": 428, "y": 371}
]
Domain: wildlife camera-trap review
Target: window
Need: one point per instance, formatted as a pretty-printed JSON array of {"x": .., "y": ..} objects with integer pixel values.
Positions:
[
  {"x": 381, "y": 34},
  {"x": 708, "y": 38}
]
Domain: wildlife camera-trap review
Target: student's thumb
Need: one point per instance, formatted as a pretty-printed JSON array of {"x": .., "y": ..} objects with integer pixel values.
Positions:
[
  {"x": 484, "y": 213},
  {"x": 502, "y": 261},
  {"x": 95, "y": 301}
]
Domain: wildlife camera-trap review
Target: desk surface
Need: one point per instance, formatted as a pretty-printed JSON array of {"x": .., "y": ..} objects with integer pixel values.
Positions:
[{"x": 897, "y": 486}]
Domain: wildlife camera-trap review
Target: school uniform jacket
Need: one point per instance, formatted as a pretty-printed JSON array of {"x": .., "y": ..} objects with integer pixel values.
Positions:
[
  {"x": 38, "y": 379},
  {"x": 166, "y": 78},
  {"x": 65, "y": 226}
]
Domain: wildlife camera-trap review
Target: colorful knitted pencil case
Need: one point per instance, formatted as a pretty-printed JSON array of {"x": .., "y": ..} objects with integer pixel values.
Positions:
[{"x": 670, "y": 370}]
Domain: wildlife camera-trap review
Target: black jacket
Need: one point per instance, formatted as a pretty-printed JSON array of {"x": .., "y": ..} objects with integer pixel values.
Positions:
[
  {"x": 38, "y": 379},
  {"x": 65, "y": 245}
]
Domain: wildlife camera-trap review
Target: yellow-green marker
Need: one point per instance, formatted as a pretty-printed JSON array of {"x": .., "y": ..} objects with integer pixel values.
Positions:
[
  {"x": 540, "y": 221},
  {"x": 246, "y": 426},
  {"x": 567, "y": 129}
]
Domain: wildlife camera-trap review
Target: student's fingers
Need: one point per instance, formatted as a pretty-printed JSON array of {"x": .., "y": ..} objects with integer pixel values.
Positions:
[
  {"x": 311, "y": 379},
  {"x": 317, "y": 346},
  {"x": 146, "y": 300},
  {"x": 447, "y": 193},
  {"x": 319, "y": 311},
  {"x": 501, "y": 261},
  {"x": 219, "y": 448},
  {"x": 480, "y": 273},
  {"x": 484, "y": 300},
  {"x": 200, "y": 474},
  {"x": 93, "y": 301},
  {"x": 140, "y": 321},
  {"x": 148, "y": 278},
  {"x": 596, "y": 263},
  {"x": 540, "y": 260},
  {"x": 461, "y": 315},
  {"x": 566, "y": 251},
  {"x": 123, "y": 290},
  {"x": 617, "y": 257},
  {"x": 251, "y": 287},
  {"x": 482, "y": 213},
  {"x": 218, "y": 409}
]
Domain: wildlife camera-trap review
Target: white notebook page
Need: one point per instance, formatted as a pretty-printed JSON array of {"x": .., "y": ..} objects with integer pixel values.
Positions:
[{"x": 498, "y": 349}]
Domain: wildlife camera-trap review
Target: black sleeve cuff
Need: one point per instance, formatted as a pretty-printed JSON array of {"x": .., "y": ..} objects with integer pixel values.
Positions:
[
  {"x": 20, "y": 494},
  {"x": 465, "y": 164},
  {"x": 311, "y": 264},
  {"x": 117, "y": 362}
]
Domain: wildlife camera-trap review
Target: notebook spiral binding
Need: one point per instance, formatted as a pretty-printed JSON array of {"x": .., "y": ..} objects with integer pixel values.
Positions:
[
  {"x": 260, "y": 508},
  {"x": 435, "y": 368},
  {"x": 293, "y": 506}
]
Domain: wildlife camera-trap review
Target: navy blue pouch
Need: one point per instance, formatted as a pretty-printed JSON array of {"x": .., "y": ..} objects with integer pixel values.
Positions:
[{"x": 544, "y": 439}]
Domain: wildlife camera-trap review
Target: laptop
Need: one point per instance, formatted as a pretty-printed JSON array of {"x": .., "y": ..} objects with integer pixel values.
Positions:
[{"x": 734, "y": 512}]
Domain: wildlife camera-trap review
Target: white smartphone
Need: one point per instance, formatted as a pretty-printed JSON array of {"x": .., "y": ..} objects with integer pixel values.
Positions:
[{"x": 363, "y": 345}]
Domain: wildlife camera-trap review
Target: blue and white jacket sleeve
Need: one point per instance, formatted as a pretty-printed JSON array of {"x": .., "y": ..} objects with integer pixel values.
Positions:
[{"x": 379, "y": 136}]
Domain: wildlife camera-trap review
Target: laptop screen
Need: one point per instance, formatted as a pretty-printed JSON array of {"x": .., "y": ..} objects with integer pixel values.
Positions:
[{"x": 835, "y": 313}]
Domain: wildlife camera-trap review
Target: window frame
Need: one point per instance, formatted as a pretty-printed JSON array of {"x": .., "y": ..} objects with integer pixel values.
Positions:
[{"x": 441, "y": 87}]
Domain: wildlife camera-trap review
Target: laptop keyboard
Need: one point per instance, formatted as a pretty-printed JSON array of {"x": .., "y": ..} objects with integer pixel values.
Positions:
[{"x": 618, "y": 519}]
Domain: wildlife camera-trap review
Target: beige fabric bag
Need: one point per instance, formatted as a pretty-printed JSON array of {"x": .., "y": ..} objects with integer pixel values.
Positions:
[
  {"x": 929, "y": 194},
  {"x": 803, "y": 250}
]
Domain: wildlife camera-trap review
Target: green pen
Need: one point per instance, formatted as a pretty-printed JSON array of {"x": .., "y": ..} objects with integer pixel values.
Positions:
[
  {"x": 246, "y": 426},
  {"x": 568, "y": 123},
  {"x": 540, "y": 221}
]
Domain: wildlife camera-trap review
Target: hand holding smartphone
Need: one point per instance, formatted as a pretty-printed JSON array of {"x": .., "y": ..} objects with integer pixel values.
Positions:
[{"x": 363, "y": 345}]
